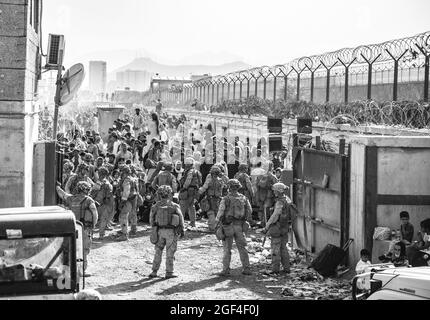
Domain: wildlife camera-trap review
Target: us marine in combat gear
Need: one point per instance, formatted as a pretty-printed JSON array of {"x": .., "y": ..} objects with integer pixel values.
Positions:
[
  {"x": 235, "y": 215},
  {"x": 129, "y": 190},
  {"x": 82, "y": 174},
  {"x": 85, "y": 210},
  {"x": 245, "y": 180},
  {"x": 166, "y": 178},
  {"x": 264, "y": 195},
  {"x": 104, "y": 197},
  {"x": 213, "y": 188},
  {"x": 278, "y": 228},
  {"x": 166, "y": 217},
  {"x": 190, "y": 184}
]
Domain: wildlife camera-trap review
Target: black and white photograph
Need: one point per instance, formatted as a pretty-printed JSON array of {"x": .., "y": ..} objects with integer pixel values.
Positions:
[{"x": 214, "y": 156}]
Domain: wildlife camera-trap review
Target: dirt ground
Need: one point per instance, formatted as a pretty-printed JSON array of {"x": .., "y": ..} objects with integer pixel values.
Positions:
[{"x": 120, "y": 272}]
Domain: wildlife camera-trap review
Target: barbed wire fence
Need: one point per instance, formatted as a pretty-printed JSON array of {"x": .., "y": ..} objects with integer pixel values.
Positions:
[{"x": 380, "y": 76}]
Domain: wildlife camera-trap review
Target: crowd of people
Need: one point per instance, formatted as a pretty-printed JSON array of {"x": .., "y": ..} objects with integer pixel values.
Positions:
[{"x": 158, "y": 168}]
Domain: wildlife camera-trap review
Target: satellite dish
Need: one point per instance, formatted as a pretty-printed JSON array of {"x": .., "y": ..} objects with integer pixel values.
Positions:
[{"x": 71, "y": 82}]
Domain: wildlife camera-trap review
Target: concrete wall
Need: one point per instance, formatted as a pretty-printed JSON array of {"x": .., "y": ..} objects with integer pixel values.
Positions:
[
  {"x": 357, "y": 197},
  {"x": 395, "y": 178},
  {"x": 18, "y": 120}
]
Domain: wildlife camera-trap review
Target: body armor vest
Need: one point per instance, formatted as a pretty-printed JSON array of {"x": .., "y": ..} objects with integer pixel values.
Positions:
[
  {"x": 215, "y": 187},
  {"x": 166, "y": 215},
  {"x": 80, "y": 206},
  {"x": 235, "y": 208}
]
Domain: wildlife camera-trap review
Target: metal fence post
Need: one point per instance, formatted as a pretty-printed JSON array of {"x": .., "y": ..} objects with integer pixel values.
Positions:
[
  {"x": 285, "y": 88},
  {"x": 234, "y": 89},
  {"x": 370, "y": 74},
  {"x": 274, "y": 89},
  {"x": 247, "y": 89},
  {"x": 327, "y": 92},
  {"x": 264, "y": 87},
  {"x": 426, "y": 72},
  {"x": 213, "y": 92},
  {"x": 217, "y": 92},
  {"x": 396, "y": 72},
  {"x": 312, "y": 81},
  {"x": 204, "y": 93},
  {"x": 426, "y": 78}
]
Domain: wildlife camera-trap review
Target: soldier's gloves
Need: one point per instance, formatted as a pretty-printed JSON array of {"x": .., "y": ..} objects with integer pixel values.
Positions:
[{"x": 264, "y": 231}]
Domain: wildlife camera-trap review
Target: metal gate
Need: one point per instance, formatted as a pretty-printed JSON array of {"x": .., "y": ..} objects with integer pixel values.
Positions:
[{"x": 320, "y": 191}]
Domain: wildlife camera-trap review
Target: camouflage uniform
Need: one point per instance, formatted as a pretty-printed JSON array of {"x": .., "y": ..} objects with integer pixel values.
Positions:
[
  {"x": 278, "y": 227},
  {"x": 234, "y": 212},
  {"x": 129, "y": 190},
  {"x": 214, "y": 186},
  {"x": 166, "y": 216},
  {"x": 264, "y": 194},
  {"x": 82, "y": 171},
  {"x": 190, "y": 183},
  {"x": 166, "y": 178},
  {"x": 105, "y": 199},
  {"x": 244, "y": 179},
  {"x": 85, "y": 211}
]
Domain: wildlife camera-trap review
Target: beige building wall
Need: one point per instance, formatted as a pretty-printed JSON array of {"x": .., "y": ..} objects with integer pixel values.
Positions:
[{"x": 19, "y": 68}]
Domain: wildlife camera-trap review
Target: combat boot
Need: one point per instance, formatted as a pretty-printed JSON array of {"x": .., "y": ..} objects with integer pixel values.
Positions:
[
  {"x": 224, "y": 273},
  {"x": 170, "y": 275},
  {"x": 123, "y": 237},
  {"x": 153, "y": 275},
  {"x": 133, "y": 230},
  {"x": 246, "y": 272}
]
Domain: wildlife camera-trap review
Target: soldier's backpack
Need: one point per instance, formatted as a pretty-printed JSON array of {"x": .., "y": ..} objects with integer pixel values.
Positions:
[
  {"x": 166, "y": 215},
  {"x": 196, "y": 180},
  {"x": 80, "y": 208},
  {"x": 215, "y": 187},
  {"x": 235, "y": 208},
  {"x": 282, "y": 226}
]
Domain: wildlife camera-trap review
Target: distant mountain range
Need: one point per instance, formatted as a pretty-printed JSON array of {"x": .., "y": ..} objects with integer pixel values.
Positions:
[{"x": 179, "y": 71}]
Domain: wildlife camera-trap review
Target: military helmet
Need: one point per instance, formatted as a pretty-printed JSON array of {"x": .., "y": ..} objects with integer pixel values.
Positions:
[
  {"x": 68, "y": 166},
  {"x": 83, "y": 187},
  {"x": 215, "y": 170},
  {"x": 164, "y": 192},
  {"x": 279, "y": 187},
  {"x": 81, "y": 167},
  {"x": 168, "y": 166},
  {"x": 234, "y": 184},
  {"x": 243, "y": 167},
  {"x": 103, "y": 172}
]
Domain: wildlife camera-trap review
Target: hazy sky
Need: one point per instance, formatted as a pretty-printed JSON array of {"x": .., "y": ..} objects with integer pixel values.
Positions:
[{"x": 260, "y": 32}]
